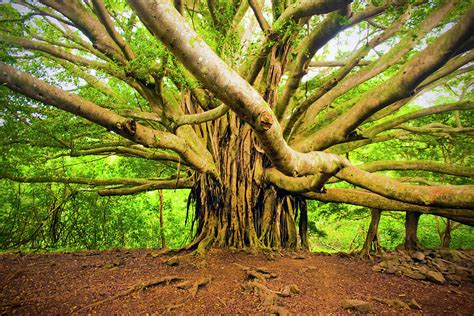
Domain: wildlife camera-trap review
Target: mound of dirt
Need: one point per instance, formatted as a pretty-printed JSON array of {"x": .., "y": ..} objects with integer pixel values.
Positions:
[{"x": 222, "y": 282}]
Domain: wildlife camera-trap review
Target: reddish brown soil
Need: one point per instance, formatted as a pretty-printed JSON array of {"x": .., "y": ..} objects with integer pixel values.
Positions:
[{"x": 63, "y": 283}]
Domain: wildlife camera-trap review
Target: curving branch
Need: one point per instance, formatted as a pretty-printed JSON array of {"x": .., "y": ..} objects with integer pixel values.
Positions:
[
  {"x": 396, "y": 88},
  {"x": 170, "y": 27},
  {"x": 41, "y": 91},
  {"x": 394, "y": 55},
  {"x": 376, "y": 129},
  {"x": 290, "y": 119}
]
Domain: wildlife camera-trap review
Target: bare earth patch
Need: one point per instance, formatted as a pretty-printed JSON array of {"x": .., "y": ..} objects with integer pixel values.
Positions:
[{"x": 222, "y": 282}]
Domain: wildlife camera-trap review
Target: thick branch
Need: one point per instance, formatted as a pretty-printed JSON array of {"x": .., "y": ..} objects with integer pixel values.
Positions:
[
  {"x": 89, "y": 25},
  {"x": 441, "y": 196},
  {"x": 41, "y": 91},
  {"x": 104, "y": 17},
  {"x": 170, "y": 27},
  {"x": 371, "y": 200}
]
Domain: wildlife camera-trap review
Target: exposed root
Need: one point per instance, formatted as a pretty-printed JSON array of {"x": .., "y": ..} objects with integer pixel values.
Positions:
[
  {"x": 135, "y": 288},
  {"x": 193, "y": 287},
  {"x": 269, "y": 298},
  {"x": 170, "y": 308},
  {"x": 260, "y": 273}
]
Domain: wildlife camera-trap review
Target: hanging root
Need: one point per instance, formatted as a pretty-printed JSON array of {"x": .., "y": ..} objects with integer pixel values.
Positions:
[{"x": 135, "y": 288}]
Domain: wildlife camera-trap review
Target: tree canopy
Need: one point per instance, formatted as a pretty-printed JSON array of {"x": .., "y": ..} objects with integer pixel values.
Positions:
[{"x": 256, "y": 106}]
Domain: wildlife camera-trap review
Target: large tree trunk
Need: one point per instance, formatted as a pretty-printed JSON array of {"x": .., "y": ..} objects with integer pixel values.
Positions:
[
  {"x": 411, "y": 227},
  {"x": 240, "y": 210},
  {"x": 372, "y": 241}
]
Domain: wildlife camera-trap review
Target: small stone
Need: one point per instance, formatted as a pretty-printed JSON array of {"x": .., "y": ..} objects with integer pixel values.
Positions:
[
  {"x": 418, "y": 255},
  {"x": 435, "y": 276},
  {"x": 414, "y": 304},
  {"x": 286, "y": 291},
  {"x": 358, "y": 305},
  {"x": 415, "y": 275}
]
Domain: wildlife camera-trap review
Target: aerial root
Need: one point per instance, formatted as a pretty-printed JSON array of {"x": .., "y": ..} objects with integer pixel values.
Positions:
[{"x": 135, "y": 288}]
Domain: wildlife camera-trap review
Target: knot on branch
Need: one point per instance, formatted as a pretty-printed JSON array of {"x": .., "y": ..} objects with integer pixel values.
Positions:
[
  {"x": 130, "y": 127},
  {"x": 266, "y": 120}
]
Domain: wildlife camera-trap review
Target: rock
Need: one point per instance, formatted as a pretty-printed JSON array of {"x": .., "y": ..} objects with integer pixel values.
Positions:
[
  {"x": 461, "y": 272},
  {"x": 414, "y": 304},
  {"x": 418, "y": 255},
  {"x": 435, "y": 276},
  {"x": 357, "y": 305},
  {"x": 286, "y": 291},
  {"x": 450, "y": 255},
  {"x": 415, "y": 275}
]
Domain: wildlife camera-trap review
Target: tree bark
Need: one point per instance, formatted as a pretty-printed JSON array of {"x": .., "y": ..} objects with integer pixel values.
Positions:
[
  {"x": 242, "y": 210},
  {"x": 372, "y": 241},
  {"x": 411, "y": 227}
]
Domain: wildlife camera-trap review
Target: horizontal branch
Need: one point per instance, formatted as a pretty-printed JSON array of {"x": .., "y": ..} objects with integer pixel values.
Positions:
[
  {"x": 129, "y": 185},
  {"x": 435, "y": 128},
  {"x": 186, "y": 183},
  {"x": 372, "y": 200},
  {"x": 424, "y": 165},
  {"x": 439, "y": 196},
  {"x": 134, "y": 152}
]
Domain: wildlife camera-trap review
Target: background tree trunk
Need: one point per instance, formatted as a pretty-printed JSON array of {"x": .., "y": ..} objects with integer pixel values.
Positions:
[
  {"x": 372, "y": 241},
  {"x": 162, "y": 232},
  {"x": 411, "y": 227}
]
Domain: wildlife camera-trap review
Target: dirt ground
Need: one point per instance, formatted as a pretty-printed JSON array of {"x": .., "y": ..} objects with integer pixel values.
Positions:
[{"x": 140, "y": 282}]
